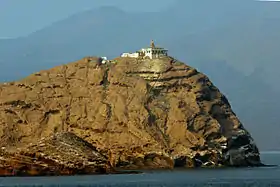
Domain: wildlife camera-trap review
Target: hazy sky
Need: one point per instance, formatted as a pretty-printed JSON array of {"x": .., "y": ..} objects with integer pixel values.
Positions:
[{"x": 21, "y": 17}]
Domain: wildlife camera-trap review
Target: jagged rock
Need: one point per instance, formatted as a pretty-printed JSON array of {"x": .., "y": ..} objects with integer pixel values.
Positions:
[
  {"x": 60, "y": 154},
  {"x": 128, "y": 110}
]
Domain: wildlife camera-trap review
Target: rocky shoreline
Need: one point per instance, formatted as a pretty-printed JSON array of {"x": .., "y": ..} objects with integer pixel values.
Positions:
[{"x": 66, "y": 154}]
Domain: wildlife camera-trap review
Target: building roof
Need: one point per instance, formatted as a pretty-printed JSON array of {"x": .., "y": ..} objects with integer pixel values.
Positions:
[{"x": 155, "y": 48}]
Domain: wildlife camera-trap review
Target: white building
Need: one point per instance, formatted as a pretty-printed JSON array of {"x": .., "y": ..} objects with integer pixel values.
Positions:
[
  {"x": 150, "y": 52},
  {"x": 133, "y": 55},
  {"x": 104, "y": 60}
]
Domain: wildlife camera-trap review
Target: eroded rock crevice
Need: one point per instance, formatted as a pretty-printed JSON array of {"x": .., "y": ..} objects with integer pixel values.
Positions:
[
  {"x": 66, "y": 121},
  {"x": 105, "y": 83},
  {"x": 153, "y": 95}
]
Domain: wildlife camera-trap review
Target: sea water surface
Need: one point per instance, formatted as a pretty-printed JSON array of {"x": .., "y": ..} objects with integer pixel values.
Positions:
[{"x": 262, "y": 176}]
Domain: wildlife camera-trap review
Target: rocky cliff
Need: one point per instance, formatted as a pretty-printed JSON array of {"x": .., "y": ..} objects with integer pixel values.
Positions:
[{"x": 156, "y": 113}]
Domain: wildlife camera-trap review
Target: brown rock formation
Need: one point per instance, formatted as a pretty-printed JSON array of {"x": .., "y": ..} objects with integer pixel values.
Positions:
[
  {"x": 60, "y": 154},
  {"x": 141, "y": 113}
]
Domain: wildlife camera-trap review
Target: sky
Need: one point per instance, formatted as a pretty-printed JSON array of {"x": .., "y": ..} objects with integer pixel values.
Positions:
[{"x": 22, "y": 17}]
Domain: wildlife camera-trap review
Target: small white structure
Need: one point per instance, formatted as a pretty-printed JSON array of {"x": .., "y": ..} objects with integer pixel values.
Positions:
[
  {"x": 104, "y": 60},
  {"x": 150, "y": 52},
  {"x": 132, "y": 55}
]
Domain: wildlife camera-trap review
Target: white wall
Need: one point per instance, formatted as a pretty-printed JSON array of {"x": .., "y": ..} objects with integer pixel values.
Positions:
[
  {"x": 148, "y": 52},
  {"x": 133, "y": 55}
]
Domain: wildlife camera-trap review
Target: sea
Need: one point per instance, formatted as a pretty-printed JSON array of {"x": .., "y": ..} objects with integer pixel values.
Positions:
[{"x": 249, "y": 177}]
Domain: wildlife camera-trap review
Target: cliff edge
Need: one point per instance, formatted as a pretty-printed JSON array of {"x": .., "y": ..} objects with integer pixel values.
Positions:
[{"x": 157, "y": 113}]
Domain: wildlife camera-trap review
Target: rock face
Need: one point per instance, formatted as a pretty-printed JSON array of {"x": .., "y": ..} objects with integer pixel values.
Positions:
[
  {"x": 60, "y": 154},
  {"x": 145, "y": 113}
]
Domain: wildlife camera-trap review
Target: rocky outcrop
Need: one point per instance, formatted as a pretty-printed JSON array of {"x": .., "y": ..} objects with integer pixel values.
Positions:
[
  {"x": 60, "y": 154},
  {"x": 156, "y": 113}
]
